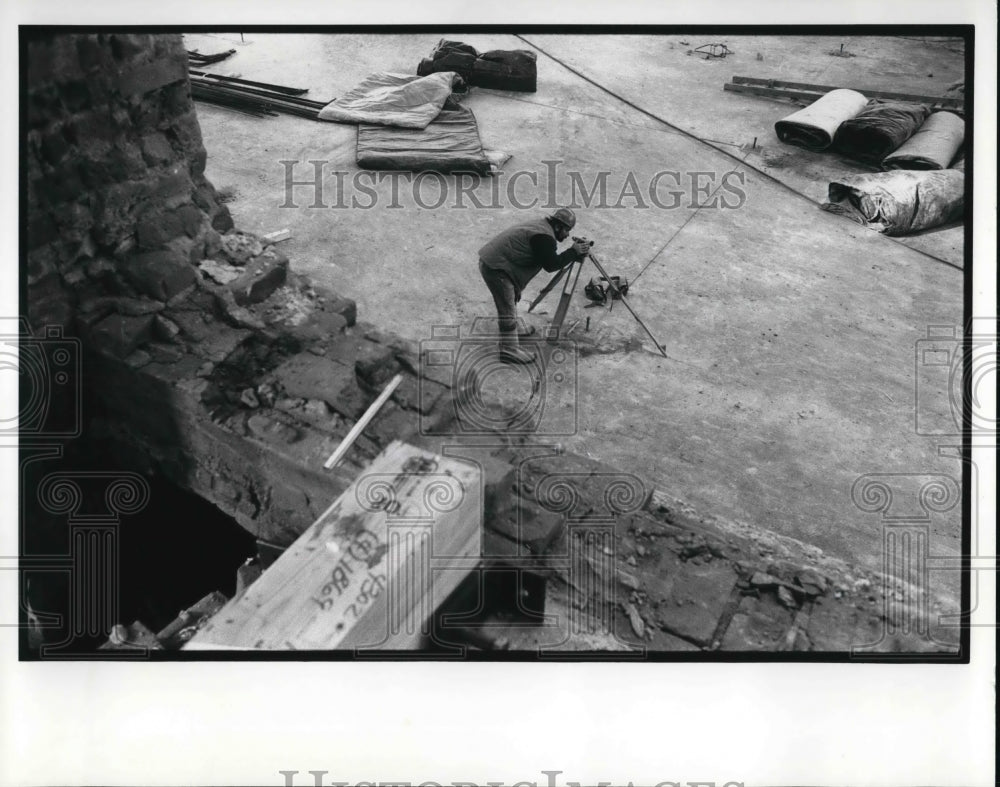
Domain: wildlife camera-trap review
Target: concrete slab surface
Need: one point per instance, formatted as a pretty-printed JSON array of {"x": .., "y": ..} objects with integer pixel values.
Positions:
[{"x": 792, "y": 334}]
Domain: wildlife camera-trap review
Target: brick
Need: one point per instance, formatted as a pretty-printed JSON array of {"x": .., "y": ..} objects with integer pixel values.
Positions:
[
  {"x": 159, "y": 274},
  {"x": 92, "y": 54},
  {"x": 125, "y": 47},
  {"x": 345, "y": 307},
  {"x": 498, "y": 548},
  {"x": 261, "y": 276},
  {"x": 147, "y": 77},
  {"x": 120, "y": 334},
  {"x": 115, "y": 166},
  {"x": 307, "y": 376},
  {"x": 193, "y": 222},
  {"x": 156, "y": 150},
  {"x": 76, "y": 95},
  {"x": 41, "y": 263},
  {"x": 320, "y": 326},
  {"x": 44, "y": 104},
  {"x": 222, "y": 221},
  {"x": 220, "y": 342},
  {"x": 527, "y": 524},
  {"x": 186, "y": 130},
  {"x": 375, "y": 365},
  {"x": 688, "y": 599},
  {"x": 176, "y": 100},
  {"x": 197, "y": 161},
  {"x": 420, "y": 395},
  {"x": 42, "y": 230},
  {"x": 173, "y": 182},
  {"x": 53, "y": 146},
  {"x": 156, "y": 229},
  {"x": 759, "y": 624},
  {"x": 204, "y": 198},
  {"x": 391, "y": 423},
  {"x": 194, "y": 325}
]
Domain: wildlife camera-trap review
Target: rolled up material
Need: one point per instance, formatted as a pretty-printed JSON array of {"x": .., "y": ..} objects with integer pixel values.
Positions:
[
  {"x": 814, "y": 126},
  {"x": 900, "y": 202},
  {"x": 879, "y": 129},
  {"x": 932, "y": 147}
]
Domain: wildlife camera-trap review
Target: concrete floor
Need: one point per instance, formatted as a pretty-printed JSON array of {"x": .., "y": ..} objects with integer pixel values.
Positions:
[{"x": 791, "y": 332}]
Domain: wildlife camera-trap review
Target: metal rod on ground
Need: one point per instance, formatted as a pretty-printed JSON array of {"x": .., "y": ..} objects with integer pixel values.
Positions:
[
  {"x": 359, "y": 427},
  {"x": 616, "y": 291},
  {"x": 294, "y": 91}
]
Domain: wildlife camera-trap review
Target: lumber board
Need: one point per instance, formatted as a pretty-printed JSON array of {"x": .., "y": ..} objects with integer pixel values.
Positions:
[
  {"x": 369, "y": 573},
  {"x": 943, "y": 101}
]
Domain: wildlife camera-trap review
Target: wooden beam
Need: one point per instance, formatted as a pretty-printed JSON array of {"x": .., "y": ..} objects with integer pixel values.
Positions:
[
  {"x": 767, "y": 92},
  {"x": 369, "y": 573},
  {"x": 942, "y": 101}
]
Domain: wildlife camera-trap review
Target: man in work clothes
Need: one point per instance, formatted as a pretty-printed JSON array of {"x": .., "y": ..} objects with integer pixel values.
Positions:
[{"x": 513, "y": 258}]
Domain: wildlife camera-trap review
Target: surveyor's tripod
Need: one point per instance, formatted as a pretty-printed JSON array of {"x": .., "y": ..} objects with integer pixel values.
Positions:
[{"x": 555, "y": 327}]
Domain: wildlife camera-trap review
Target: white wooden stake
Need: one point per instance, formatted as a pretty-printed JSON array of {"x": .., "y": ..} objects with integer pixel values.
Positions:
[{"x": 359, "y": 427}]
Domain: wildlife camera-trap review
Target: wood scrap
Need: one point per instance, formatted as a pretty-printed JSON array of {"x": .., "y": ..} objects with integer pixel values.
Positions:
[{"x": 370, "y": 572}]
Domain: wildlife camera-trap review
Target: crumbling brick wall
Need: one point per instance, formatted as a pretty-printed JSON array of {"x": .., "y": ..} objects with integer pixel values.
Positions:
[{"x": 117, "y": 200}]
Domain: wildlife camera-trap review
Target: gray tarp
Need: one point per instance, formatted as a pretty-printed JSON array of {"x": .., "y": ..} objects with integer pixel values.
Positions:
[
  {"x": 393, "y": 100},
  {"x": 814, "y": 126},
  {"x": 932, "y": 147},
  {"x": 879, "y": 129},
  {"x": 450, "y": 143},
  {"x": 900, "y": 202}
]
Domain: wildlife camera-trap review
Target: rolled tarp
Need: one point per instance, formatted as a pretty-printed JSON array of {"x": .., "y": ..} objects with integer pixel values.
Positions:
[
  {"x": 932, "y": 147},
  {"x": 899, "y": 202},
  {"x": 879, "y": 129},
  {"x": 814, "y": 126}
]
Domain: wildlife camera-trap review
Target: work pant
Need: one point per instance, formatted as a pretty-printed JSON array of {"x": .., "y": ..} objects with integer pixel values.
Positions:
[{"x": 505, "y": 296}]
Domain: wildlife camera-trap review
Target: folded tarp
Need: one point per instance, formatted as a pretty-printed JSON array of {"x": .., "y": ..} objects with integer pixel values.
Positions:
[
  {"x": 500, "y": 69},
  {"x": 932, "y": 147},
  {"x": 814, "y": 126},
  {"x": 899, "y": 202},
  {"x": 879, "y": 129},
  {"x": 393, "y": 100},
  {"x": 450, "y": 143}
]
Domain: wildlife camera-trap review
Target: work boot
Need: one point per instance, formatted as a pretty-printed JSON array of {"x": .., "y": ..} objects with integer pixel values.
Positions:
[{"x": 509, "y": 354}]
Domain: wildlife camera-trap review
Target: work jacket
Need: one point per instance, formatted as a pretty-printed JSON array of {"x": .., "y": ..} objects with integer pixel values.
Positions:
[{"x": 512, "y": 253}]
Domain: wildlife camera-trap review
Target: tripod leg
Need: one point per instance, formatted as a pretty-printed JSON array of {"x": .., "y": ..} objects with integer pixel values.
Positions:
[
  {"x": 548, "y": 288},
  {"x": 618, "y": 292},
  {"x": 555, "y": 326}
]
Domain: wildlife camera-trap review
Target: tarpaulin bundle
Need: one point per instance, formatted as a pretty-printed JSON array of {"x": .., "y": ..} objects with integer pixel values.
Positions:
[
  {"x": 814, "y": 126},
  {"x": 450, "y": 143},
  {"x": 932, "y": 147},
  {"x": 500, "y": 69},
  {"x": 393, "y": 100},
  {"x": 899, "y": 202},
  {"x": 879, "y": 129}
]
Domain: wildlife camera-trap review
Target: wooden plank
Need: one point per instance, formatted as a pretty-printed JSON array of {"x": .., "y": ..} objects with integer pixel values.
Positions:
[
  {"x": 943, "y": 101},
  {"x": 369, "y": 573},
  {"x": 768, "y": 92}
]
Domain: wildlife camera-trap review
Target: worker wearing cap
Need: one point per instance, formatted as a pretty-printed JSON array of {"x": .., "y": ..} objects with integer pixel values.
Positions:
[{"x": 513, "y": 258}]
